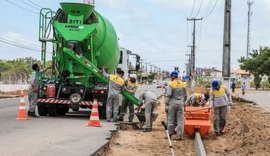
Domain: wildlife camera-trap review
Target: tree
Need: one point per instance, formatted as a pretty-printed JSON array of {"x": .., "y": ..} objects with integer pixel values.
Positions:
[{"x": 257, "y": 64}]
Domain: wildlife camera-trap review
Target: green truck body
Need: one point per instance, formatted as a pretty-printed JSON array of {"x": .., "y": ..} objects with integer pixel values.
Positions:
[{"x": 83, "y": 42}]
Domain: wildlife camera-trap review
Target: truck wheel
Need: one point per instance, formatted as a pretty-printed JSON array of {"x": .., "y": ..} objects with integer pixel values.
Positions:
[
  {"x": 62, "y": 110},
  {"x": 52, "y": 110},
  {"x": 42, "y": 110}
]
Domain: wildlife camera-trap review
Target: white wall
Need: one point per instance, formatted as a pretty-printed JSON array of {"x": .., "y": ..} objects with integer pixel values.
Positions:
[{"x": 12, "y": 87}]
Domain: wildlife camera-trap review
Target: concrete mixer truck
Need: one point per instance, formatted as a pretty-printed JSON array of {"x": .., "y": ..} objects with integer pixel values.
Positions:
[{"x": 82, "y": 42}]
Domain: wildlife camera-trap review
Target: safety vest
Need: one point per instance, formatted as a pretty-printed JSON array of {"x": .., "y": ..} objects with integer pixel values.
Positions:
[
  {"x": 132, "y": 85},
  {"x": 117, "y": 79},
  {"x": 177, "y": 84},
  {"x": 220, "y": 92}
]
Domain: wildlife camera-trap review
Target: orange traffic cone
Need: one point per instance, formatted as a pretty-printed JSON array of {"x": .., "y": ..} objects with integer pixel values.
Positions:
[
  {"x": 94, "y": 117},
  {"x": 22, "y": 115}
]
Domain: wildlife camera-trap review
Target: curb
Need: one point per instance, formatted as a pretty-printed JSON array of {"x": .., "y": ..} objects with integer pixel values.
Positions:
[{"x": 103, "y": 149}]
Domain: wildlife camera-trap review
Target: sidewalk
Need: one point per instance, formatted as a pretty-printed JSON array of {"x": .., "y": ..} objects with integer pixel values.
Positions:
[{"x": 262, "y": 98}]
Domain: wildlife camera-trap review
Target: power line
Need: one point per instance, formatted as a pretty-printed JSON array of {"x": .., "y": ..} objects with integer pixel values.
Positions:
[
  {"x": 31, "y": 5},
  {"x": 21, "y": 7},
  {"x": 167, "y": 60},
  {"x": 212, "y": 9},
  {"x": 199, "y": 8},
  {"x": 207, "y": 8},
  {"x": 17, "y": 45},
  {"x": 34, "y": 3},
  {"x": 192, "y": 8}
]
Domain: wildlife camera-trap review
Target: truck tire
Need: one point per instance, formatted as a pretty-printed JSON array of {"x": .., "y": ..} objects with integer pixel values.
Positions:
[
  {"x": 62, "y": 110},
  {"x": 42, "y": 110},
  {"x": 52, "y": 110}
]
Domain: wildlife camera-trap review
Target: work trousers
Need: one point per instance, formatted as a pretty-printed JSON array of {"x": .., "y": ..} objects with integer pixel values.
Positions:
[
  {"x": 112, "y": 106},
  {"x": 220, "y": 114},
  {"x": 32, "y": 97},
  {"x": 127, "y": 104},
  {"x": 175, "y": 115},
  {"x": 149, "y": 108}
]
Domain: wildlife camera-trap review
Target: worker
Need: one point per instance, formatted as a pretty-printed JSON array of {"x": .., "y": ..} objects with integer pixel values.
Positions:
[
  {"x": 243, "y": 87},
  {"x": 33, "y": 88},
  {"x": 175, "y": 99},
  {"x": 196, "y": 99},
  {"x": 233, "y": 86},
  {"x": 116, "y": 85},
  {"x": 131, "y": 86},
  {"x": 220, "y": 99},
  {"x": 149, "y": 99}
]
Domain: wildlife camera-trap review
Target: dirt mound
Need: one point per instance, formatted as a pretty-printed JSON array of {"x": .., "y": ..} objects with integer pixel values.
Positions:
[
  {"x": 248, "y": 134},
  {"x": 11, "y": 94}
]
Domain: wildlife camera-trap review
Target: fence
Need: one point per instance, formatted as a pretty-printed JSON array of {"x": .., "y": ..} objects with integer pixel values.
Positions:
[{"x": 11, "y": 81}]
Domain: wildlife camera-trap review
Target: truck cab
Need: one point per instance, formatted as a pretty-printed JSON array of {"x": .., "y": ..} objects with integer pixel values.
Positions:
[{"x": 128, "y": 62}]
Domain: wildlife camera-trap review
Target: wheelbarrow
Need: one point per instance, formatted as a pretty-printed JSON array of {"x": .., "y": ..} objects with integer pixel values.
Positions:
[{"x": 141, "y": 117}]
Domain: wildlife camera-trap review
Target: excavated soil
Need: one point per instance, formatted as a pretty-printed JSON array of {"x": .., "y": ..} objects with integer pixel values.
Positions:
[
  {"x": 12, "y": 94},
  {"x": 248, "y": 134}
]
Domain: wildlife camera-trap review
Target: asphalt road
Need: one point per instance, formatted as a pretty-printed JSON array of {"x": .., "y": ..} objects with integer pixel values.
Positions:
[
  {"x": 55, "y": 136},
  {"x": 259, "y": 97}
]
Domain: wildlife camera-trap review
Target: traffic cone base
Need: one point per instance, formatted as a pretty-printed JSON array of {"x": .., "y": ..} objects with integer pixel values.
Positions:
[
  {"x": 94, "y": 116},
  {"x": 94, "y": 123},
  {"x": 22, "y": 114}
]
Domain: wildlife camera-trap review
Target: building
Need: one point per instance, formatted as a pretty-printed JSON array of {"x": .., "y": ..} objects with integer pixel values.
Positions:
[{"x": 212, "y": 72}]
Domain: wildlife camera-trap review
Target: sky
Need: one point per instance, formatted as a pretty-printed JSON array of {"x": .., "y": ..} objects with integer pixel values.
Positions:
[{"x": 157, "y": 30}]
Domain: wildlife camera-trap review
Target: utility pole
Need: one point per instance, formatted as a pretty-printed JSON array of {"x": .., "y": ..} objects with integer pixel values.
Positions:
[
  {"x": 193, "y": 42},
  {"x": 188, "y": 65},
  {"x": 226, "y": 67},
  {"x": 151, "y": 68},
  {"x": 249, "y": 3},
  {"x": 146, "y": 71}
]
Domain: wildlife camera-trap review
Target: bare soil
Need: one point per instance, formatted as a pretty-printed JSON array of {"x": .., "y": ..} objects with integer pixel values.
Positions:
[
  {"x": 12, "y": 94},
  {"x": 248, "y": 134}
]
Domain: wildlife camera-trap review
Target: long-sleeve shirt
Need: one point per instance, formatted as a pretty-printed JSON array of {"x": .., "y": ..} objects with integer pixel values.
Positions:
[
  {"x": 221, "y": 97},
  {"x": 147, "y": 96},
  {"x": 194, "y": 100},
  {"x": 34, "y": 78},
  {"x": 176, "y": 91},
  {"x": 116, "y": 83},
  {"x": 131, "y": 87}
]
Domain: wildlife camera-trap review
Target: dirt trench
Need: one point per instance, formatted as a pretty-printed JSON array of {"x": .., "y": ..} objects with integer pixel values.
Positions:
[{"x": 248, "y": 134}]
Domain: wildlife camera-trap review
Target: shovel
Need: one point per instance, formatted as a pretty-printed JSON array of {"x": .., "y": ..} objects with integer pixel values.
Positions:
[{"x": 168, "y": 137}]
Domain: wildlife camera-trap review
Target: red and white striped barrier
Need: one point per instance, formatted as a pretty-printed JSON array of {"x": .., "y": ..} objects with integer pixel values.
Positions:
[{"x": 66, "y": 102}]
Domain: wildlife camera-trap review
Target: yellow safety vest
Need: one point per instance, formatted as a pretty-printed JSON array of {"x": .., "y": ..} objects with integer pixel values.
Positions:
[
  {"x": 132, "y": 85},
  {"x": 220, "y": 92},
  {"x": 177, "y": 84},
  {"x": 117, "y": 79}
]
